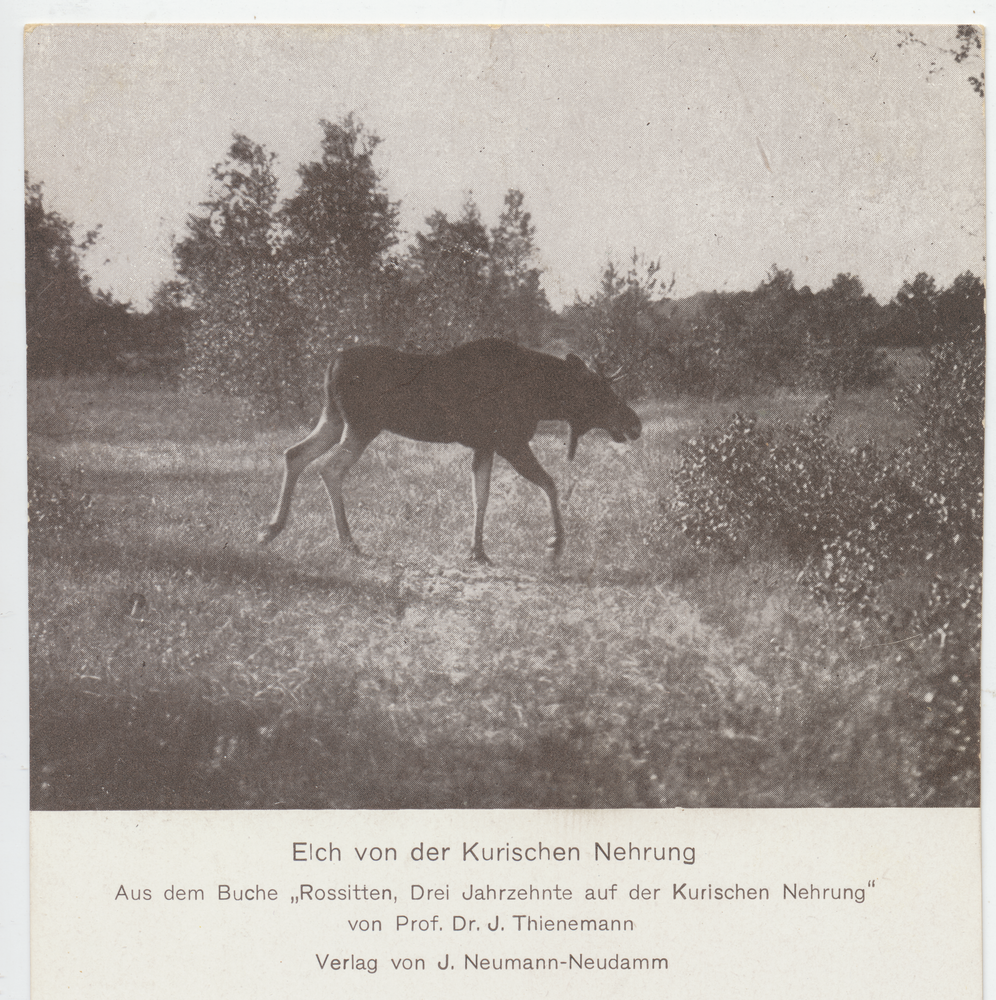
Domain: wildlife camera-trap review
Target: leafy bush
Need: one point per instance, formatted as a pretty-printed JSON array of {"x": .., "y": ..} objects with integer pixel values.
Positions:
[
  {"x": 792, "y": 486},
  {"x": 894, "y": 540},
  {"x": 939, "y": 474},
  {"x": 855, "y": 517}
]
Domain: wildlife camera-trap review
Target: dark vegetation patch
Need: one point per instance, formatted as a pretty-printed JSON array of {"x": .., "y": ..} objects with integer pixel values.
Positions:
[{"x": 179, "y": 747}]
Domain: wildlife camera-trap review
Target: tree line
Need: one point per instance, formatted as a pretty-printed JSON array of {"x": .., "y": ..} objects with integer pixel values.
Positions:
[
  {"x": 265, "y": 290},
  {"x": 274, "y": 287},
  {"x": 722, "y": 344},
  {"x": 73, "y": 329}
]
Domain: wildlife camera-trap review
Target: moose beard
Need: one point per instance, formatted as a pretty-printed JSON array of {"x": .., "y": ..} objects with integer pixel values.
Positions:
[{"x": 572, "y": 444}]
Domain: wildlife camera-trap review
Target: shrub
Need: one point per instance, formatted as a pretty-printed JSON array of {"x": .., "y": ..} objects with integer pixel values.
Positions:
[
  {"x": 894, "y": 540},
  {"x": 895, "y": 537},
  {"x": 792, "y": 486},
  {"x": 855, "y": 517},
  {"x": 940, "y": 475}
]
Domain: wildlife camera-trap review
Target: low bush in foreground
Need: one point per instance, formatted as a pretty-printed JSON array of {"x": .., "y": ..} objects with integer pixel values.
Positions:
[{"x": 890, "y": 540}]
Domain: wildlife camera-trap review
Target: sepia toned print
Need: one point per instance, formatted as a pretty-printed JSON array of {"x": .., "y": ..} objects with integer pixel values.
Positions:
[{"x": 714, "y": 298}]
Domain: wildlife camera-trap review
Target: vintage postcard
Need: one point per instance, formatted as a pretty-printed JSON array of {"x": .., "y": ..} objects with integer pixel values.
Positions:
[{"x": 505, "y": 509}]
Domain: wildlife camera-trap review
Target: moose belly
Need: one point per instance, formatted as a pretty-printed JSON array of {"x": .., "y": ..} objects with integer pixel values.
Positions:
[
  {"x": 426, "y": 426},
  {"x": 447, "y": 422}
]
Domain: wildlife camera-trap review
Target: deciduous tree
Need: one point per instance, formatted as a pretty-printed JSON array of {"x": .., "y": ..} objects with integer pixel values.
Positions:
[
  {"x": 915, "y": 321},
  {"x": 839, "y": 351},
  {"x": 449, "y": 267},
  {"x": 521, "y": 302},
  {"x": 244, "y": 339},
  {"x": 621, "y": 326},
  {"x": 58, "y": 300},
  {"x": 338, "y": 230}
]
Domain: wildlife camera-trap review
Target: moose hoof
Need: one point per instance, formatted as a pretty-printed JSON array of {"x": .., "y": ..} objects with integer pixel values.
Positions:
[
  {"x": 267, "y": 534},
  {"x": 555, "y": 546},
  {"x": 478, "y": 556}
]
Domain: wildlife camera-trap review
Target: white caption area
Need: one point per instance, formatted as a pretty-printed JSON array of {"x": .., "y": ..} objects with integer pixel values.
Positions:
[{"x": 812, "y": 903}]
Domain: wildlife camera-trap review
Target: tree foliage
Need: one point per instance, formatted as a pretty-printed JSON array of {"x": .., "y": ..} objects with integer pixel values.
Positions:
[
  {"x": 265, "y": 293},
  {"x": 338, "y": 230},
  {"x": 61, "y": 334},
  {"x": 158, "y": 337},
  {"x": 839, "y": 349},
  {"x": 71, "y": 329},
  {"x": 449, "y": 267},
  {"x": 521, "y": 302},
  {"x": 469, "y": 282},
  {"x": 740, "y": 343},
  {"x": 773, "y": 331},
  {"x": 914, "y": 311},
  {"x": 619, "y": 328},
  {"x": 243, "y": 341},
  {"x": 968, "y": 45},
  {"x": 961, "y": 310},
  {"x": 725, "y": 344},
  {"x": 340, "y": 215},
  {"x": 276, "y": 288}
]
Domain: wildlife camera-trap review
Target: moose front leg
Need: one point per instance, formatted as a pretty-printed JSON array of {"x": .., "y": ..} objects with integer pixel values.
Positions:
[
  {"x": 522, "y": 459},
  {"x": 481, "y": 466}
]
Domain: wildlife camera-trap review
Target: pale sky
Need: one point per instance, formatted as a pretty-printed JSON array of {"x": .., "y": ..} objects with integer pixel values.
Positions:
[{"x": 719, "y": 150}]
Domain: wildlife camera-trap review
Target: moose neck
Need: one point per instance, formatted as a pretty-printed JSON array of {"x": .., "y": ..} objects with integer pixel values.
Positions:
[{"x": 562, "y": 399}]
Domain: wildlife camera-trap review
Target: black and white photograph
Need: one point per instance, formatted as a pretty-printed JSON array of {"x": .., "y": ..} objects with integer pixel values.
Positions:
[
  {"x": 504, "y": 418},
  {"x": 504, "y": 509}
]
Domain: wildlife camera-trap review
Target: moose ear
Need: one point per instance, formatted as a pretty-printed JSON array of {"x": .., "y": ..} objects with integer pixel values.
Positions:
[{"x": 575, "y": 362}]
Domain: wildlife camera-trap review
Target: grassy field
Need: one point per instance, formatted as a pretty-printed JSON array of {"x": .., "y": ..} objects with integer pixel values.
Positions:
[{"x": 175, "y": 664}]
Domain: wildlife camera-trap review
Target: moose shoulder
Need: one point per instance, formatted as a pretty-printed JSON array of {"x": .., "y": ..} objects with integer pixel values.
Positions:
[{"x": 489, "y": 395}]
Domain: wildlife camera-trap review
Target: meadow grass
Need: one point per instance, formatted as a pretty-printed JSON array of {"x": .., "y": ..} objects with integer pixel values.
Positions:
[{"x": 175, "y": 664}]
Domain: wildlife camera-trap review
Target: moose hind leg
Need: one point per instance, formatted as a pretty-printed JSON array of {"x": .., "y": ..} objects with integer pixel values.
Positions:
[
  {"x": 522, "y": 459},
  {"x": 344, "y": 456},
  {"x": 481, "y": 466},
  {"x": 327, "y": 432}
]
